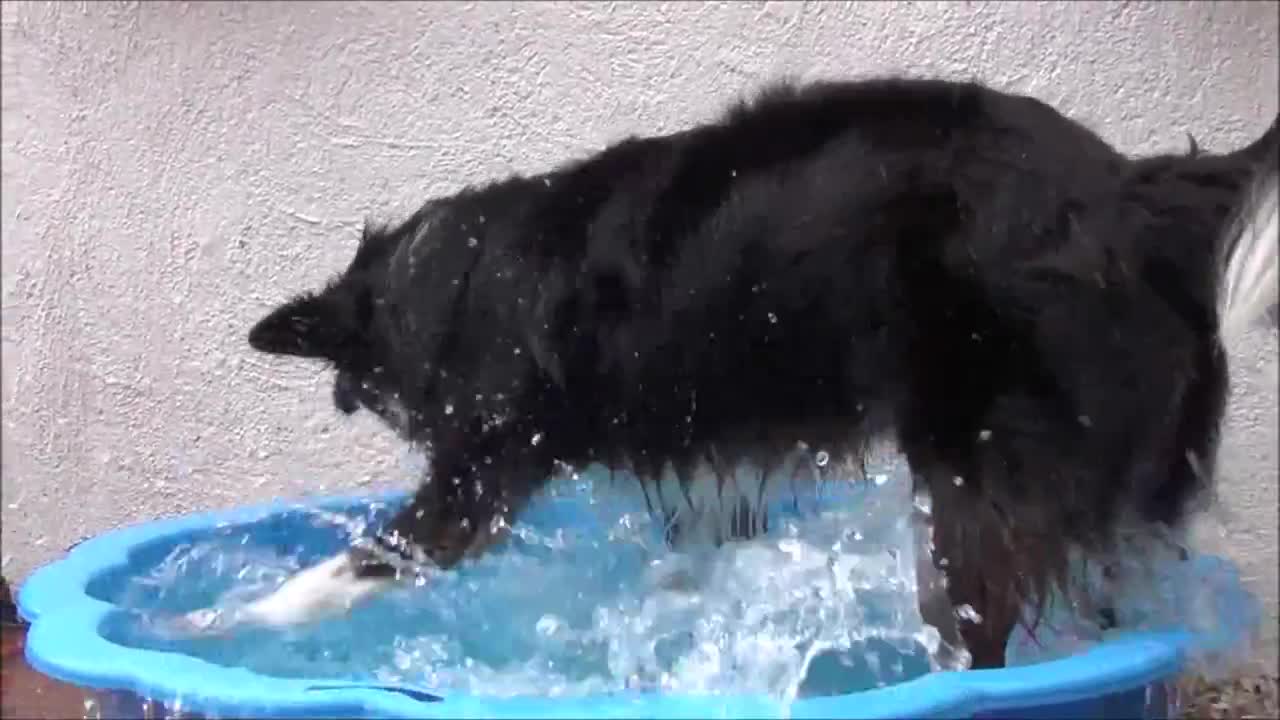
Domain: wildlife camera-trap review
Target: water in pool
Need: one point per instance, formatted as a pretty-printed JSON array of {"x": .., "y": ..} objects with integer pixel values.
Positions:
[{"x": 585, "y": 598}]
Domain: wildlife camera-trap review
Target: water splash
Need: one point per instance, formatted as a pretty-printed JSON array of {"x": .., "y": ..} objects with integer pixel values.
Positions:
[{"x": 586, "y": 598}]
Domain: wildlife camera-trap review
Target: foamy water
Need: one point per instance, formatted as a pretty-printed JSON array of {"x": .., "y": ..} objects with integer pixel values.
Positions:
[{"x": 593, "y": 602}]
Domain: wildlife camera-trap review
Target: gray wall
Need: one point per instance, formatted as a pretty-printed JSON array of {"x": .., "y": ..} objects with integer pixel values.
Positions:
[{"x": 169, "y": 170}]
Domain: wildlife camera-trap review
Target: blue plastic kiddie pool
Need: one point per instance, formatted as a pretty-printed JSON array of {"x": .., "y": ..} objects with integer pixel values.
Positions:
[{"x": 79, "y": 635}]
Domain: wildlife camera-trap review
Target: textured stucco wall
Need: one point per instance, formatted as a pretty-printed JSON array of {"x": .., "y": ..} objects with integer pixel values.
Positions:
[{"x": 169, "y": 170}]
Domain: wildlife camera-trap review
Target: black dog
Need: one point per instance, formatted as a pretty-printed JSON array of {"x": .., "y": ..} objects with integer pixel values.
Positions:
[{"x": 1033, "y": 318}]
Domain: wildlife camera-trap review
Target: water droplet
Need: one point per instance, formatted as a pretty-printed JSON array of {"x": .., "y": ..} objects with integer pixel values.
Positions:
[
  {"x": 966, "y": 612},
  {"x": 958, "y": 481},
  {"x": 448, "y": 408},
  {"x": 496, "y": 524},
  {"x": 546, "y": 181},
  {"x": 984, "y": 435},
  {"x": 773, "y": 319},
  {"x": 822, "y": 458},
  {"x": 537, "y": 438},
  {"x": 472, "y": 242},
  {"x": 922, "y": 502},
  {"x": 547, "y": 625}
]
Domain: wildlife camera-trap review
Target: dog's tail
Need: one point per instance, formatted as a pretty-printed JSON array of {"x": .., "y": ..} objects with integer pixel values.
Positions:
[{"x": 1250, "y": 250}]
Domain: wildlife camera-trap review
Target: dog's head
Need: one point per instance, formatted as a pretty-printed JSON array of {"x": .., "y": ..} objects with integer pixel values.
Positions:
[
  {"x": 343, "y": 324},
  {"x": 427, "y": 327}
]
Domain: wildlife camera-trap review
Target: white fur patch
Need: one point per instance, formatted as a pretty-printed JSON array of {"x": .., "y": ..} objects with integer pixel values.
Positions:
[
  {"x": 330, "y": 588},
  {"x": 324, "y": 590},
  {"x": 1250, "y": 283}
]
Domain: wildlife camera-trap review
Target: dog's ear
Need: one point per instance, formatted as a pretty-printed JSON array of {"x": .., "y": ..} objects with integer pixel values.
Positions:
[{"x": 312, "y": 326}]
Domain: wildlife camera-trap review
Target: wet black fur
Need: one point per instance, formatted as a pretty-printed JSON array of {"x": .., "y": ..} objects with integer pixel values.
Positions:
[{"x": 964, "y": 271}]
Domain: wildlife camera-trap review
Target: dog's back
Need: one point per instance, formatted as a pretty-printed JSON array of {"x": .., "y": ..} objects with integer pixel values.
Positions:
[{"x": 965, "y": 270}]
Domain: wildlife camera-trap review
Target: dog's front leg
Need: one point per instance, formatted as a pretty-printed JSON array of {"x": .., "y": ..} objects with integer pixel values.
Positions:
[
  {"x": 474, "y": 492},
  {"x": 465, "y": 505},
  {"x": 329, "y": 588}
]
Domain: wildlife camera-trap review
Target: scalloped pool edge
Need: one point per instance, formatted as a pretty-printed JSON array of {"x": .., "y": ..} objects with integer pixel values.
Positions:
[{"x": 63, "y": 642}]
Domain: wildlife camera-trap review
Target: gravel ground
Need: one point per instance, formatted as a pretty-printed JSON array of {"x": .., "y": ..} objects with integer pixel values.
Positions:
[{"x": 1246, "y": 696}]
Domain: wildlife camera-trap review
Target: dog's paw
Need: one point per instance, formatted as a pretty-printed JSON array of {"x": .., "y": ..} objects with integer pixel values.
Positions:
[
  {"x": 321, "y": 591},
  {"x": 202, "y": 622}
]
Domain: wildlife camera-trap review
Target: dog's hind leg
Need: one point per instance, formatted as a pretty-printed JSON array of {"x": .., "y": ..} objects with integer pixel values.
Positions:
[
  {"x": 977, "y": 562},
  {"x": 931, "y": 591},
  {"x": 1000, "y": 536}
]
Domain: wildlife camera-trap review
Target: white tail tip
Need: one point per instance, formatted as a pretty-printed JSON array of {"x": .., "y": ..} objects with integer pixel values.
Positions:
[{"x": 1249, "y": 283}]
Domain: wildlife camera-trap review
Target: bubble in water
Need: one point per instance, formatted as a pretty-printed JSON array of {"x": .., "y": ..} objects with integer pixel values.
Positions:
[{"x": 548, "y": 625}]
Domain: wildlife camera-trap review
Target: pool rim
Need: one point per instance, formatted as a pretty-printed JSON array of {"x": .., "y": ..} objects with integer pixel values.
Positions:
[{"x": 64, "y": 617}]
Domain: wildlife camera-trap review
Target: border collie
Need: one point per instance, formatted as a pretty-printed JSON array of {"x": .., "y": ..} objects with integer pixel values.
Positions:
[{"x": 1035, "y": 320}]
